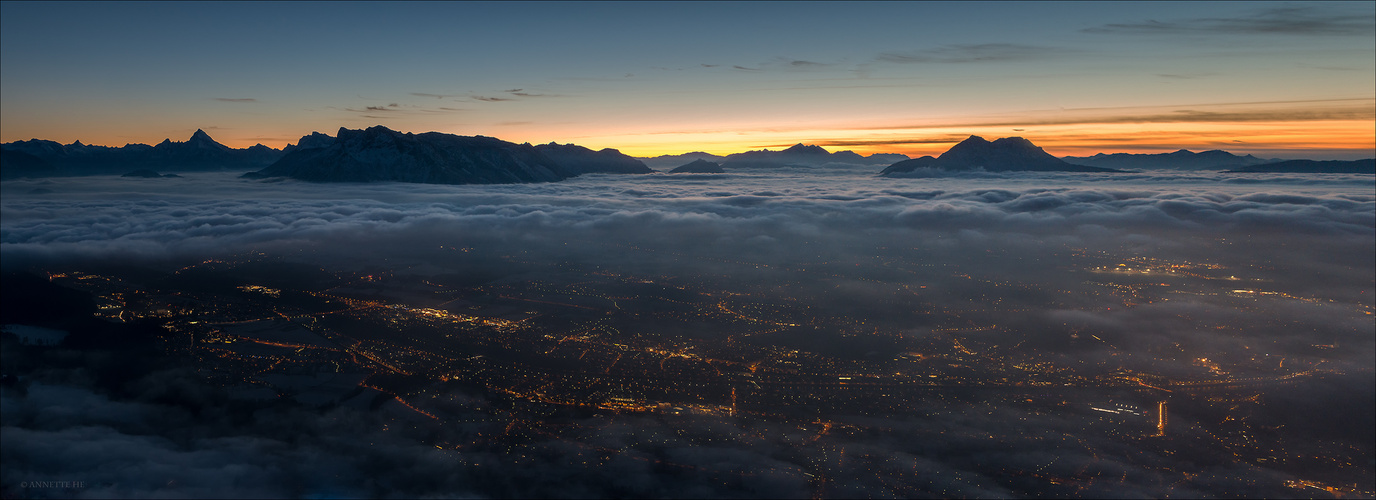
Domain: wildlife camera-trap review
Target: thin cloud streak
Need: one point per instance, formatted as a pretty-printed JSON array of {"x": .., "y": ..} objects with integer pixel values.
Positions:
[
  {"x": 1362, "y": 108},
  {"x": 393, "y": 110},
  {"x": 436, "y": 96},
  {"x": 1338, "y": 113},
  {"x": 972, "y": 53},
  {"x": 1277, "y": 21},
  {"x": 261, "y": 140},
  {"x": 948, "y": 139}
]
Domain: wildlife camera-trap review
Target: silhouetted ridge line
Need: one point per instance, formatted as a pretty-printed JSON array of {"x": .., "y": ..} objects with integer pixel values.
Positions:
[
  {"x": 1178, "y": 160},
  {"x": 381, "y": 154},
  {"x": 1008, "y": 154},
  {"x": 199, "y": 153},
  {"x": 581, "y": 160},
  {"x": 699, "y": 167},
  {"x": 802, "y": 155}
]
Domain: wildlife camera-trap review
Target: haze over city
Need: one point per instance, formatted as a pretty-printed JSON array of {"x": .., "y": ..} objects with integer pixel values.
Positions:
[{"x": 687, "y": 250}]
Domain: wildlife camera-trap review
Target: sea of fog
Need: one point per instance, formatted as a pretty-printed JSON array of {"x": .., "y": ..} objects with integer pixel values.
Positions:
[{"x": 756, "y": 214}]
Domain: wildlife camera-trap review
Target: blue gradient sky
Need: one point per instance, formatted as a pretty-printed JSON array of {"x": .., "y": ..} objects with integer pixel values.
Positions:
[{"x": 653, "y": 78}]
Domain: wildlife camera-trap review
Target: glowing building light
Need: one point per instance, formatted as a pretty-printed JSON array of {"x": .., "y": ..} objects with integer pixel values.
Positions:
[{"x": 1161, "y": 418}]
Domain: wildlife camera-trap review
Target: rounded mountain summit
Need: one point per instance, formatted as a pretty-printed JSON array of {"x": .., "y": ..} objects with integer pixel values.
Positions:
[
  {"x": 1008, "y": 154},
  {"x": 699, "y": 167}
]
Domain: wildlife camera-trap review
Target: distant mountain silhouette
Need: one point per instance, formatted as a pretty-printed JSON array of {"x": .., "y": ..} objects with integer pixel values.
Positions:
[
  {"x": 581, "y": 160},
  {"x": 199, "y": 153},
  {"x": 801, "y": 155},
  {"x": 699, "y": 167},
  {"x": 1178, "y": 160},
  {"x": 15, "y": 164},
  {"x": 925, "y": 162},
  {"x": 1367, "y": 166},
  {"x": 381, "y": 154},
  {"x": 1002, "y": 155},
  {"x": 885, "y": 158},
  {"x": 314, "y": 140},
  {"x": 670, "y": 161}
]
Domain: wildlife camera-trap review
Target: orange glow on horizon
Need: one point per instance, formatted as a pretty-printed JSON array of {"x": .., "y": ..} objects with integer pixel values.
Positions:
[
  {"x": 1349, "y": 138},
  {"x": 1354, "y": 138},
  {"x": 1332, "y": 127}
]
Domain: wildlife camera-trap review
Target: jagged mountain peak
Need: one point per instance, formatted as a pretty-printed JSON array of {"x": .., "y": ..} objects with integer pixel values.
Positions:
[
  {"x": 198, "y": 153},
  {"x": 199, "y": 140},
  {"x": 373, "y": 130}
]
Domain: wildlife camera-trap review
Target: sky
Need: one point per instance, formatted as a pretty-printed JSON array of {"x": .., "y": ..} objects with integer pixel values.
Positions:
[{"x": 1286, "y": 79}]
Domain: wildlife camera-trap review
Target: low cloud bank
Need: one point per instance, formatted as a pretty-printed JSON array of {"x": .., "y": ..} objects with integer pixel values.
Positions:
[{"x": 167, "y": 218}]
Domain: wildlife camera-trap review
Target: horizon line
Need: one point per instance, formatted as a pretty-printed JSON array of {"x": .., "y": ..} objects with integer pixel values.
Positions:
[{"x": 827, "y": 144}]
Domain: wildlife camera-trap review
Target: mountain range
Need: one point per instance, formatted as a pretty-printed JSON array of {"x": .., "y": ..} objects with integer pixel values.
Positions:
[
  {"x": 802, "y": 155},
  {"x": 798, "y": 155},
  {"x": 1178, "y": 160},
  {"x": 662, "y": 162},
  {"x": 381, "y": 154},
  {"x": 699, "y": 167},
  {"x": 1002, "y": 155},
  {"x": 581, "y": 160},
  {"x": 199, "y": 153}
]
